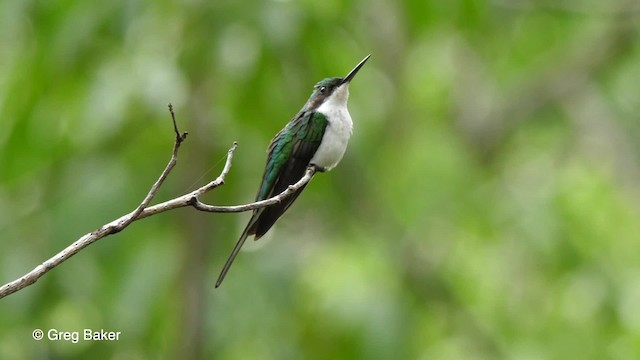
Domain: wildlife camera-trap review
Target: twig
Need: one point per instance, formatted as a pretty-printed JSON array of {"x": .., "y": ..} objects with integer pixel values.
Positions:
[
  {"x": 258, "y": 204},
  {"x": 144, "y": 210},
  {"x": 128, "y": 219}
]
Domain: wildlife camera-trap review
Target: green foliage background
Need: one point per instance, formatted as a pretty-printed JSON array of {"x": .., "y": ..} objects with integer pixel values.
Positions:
[{"x": 487, "y": 207}]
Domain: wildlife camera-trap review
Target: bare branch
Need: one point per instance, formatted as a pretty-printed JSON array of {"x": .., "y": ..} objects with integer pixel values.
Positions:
[
  {"x": 144, "y": 210},
  {"x": 258, "y": 204}
]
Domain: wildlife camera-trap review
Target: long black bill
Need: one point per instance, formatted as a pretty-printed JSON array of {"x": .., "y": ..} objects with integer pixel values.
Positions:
[{"x": 353, "y": 72}]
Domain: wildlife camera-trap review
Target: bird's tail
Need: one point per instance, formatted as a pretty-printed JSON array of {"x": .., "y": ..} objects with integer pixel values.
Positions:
[{"x": 248, "y": 230}]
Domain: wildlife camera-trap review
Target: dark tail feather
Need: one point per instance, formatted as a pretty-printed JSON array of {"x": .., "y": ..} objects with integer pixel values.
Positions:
[
  {"x": 248, "y": 230},
  {"x": 272, "y": 213},
  {"x": 263, "y": 219}
]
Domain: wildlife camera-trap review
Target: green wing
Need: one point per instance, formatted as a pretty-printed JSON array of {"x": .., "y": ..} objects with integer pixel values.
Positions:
[
  {"x": 294, "y": 145},
  {"x": 289, "y": 155}
]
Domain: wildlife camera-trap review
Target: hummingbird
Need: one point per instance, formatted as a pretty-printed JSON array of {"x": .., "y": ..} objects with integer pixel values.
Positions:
[{"x": 317, "y": 136}]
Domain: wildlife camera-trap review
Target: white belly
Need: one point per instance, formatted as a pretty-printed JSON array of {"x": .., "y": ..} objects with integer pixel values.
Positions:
[{"x": 336, "y": 137}]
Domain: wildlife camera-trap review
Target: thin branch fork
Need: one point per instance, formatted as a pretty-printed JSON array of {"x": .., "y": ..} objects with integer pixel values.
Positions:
[{"x": 144, "y": 210}]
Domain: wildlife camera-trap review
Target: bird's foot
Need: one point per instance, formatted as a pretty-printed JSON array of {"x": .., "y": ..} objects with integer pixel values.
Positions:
[{"x": 317, "y": 168}]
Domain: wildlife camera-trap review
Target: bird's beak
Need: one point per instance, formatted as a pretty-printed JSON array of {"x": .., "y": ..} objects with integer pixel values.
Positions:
[{"x": 353, "y": 72}]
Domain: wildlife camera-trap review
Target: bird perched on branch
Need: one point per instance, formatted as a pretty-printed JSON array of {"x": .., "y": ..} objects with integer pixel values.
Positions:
[{"x": 317, "y": 136}]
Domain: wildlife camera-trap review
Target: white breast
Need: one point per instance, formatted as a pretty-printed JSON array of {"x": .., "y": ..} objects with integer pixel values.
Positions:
[{"x": 338, "y": 131}]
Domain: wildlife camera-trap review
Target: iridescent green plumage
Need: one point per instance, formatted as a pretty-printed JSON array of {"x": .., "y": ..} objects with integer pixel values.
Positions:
[{"x": 288, "y": 157}]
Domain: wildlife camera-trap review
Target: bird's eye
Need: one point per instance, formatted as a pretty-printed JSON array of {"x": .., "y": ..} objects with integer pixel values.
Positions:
[{"x": 323, "y": 89}]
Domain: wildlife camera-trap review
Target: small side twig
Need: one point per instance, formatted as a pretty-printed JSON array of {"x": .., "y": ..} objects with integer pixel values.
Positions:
[
  {"x": 128, "y": 219},
  {"x": 144, "y": 210}
]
